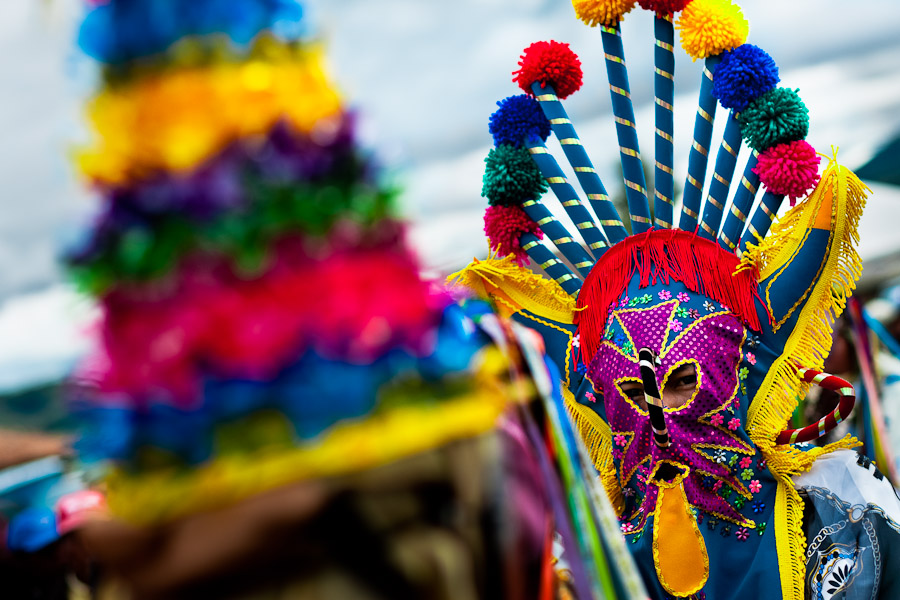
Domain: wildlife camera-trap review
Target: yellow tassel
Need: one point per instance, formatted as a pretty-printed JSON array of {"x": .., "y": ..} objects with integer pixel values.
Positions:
[
  {"x": 597, "y": 438},
  {"x": 808, "y": 345},
  {"x": 513, "y": 288}
]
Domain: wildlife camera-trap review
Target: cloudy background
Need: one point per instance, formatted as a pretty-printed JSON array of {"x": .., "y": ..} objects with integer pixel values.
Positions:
[{"x": 425, "y": 76}]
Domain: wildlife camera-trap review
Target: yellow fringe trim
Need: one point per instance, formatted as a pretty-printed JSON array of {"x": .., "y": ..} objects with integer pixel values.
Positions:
[
  {"x": 566, "y": 380},
  {"x": 148, "y": 498},
  {"x": 597, "y": 438},
  {"x": 808, "y": 345},
  {"x": 513, "y": 288}
]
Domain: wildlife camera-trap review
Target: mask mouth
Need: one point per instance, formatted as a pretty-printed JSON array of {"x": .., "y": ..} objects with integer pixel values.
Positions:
[{"x": 668, "y": 472}]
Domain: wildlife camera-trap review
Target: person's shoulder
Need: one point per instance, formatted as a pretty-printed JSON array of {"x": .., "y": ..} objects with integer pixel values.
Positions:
[{"x": 854, "y": 479}]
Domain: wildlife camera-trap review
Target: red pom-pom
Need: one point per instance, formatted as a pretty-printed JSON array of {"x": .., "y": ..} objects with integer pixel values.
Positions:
[
  {"x": 665, "y": 7},
  {"x": 504, "y": 225},
  {"x": 549, "y": 62},
  {"x": 790, "y": 169}
]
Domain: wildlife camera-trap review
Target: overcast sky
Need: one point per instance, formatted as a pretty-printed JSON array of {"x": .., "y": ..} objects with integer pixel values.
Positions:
[{"x": 425, "y": 76}]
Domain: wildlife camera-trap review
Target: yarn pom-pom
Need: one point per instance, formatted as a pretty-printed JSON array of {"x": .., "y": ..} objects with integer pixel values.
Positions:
[
  {"x": 790, "y": 169},
  {"x": 511, "y": 177},
  {"x": 549, "y": 62},
  {"x": 601, "y": 12},
  {"x": 774, "y": 118},
  {"x": 504, "y": 225},
  {"x": 664, "y": 7},
  {"x": 710, "y": 27},
  {"x": 518, "y": 119},
  {"x": 745, "y": 74}
]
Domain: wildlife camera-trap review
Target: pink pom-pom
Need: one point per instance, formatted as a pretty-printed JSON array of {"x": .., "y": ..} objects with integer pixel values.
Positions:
[
  {"x": 664, "y": 7},
  {"x": 549, "y": 62},
  {"x": 504, "y": 225},
  {"x": 790, "y": 169}
]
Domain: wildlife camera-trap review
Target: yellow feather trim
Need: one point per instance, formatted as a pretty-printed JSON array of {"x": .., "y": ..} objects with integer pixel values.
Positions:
[
  {"x": 597, "y": 437},
  {"x": 808, "y": 345},
  {"x": 514, "y": 288}
]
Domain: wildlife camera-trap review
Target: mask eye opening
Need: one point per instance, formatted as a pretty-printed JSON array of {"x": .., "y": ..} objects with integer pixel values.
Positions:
[
  {"x": 631, "y": 391},
  {"x": 681, "y": 384}
]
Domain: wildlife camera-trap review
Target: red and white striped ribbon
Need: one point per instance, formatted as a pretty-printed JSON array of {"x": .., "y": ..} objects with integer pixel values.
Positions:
[{"x": 829, "y": 421}]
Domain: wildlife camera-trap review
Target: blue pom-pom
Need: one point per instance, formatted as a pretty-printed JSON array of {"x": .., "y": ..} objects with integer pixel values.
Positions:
[
  {"x": 518, "y": 119},
  {"x": 745, "y": 74}
]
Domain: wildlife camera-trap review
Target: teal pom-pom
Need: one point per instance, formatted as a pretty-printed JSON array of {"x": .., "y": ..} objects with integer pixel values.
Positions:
[
  {"x": 511, "y": 177},
  {"x": 518, "y": 119},
  {"x": 745, "y": 73},
  {"x": 776, "y": 117}
]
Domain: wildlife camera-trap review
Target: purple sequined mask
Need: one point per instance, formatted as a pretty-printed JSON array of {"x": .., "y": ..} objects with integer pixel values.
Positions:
[{"x": 681, "y": 327}]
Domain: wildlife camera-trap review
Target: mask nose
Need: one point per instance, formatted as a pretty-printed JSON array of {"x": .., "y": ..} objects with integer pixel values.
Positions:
[{"x": 649, "y": 362}]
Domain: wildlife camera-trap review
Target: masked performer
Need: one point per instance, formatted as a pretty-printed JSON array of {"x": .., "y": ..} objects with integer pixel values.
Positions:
[{"x": 685, "y": 346}]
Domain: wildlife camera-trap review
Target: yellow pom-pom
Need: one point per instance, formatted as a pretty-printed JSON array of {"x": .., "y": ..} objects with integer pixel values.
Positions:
[
  {"x": 710, "y": 27},
  {"x": 602, "y": 12}
]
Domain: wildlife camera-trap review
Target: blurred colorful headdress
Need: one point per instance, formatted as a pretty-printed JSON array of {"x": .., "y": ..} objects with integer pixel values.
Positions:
[
  {"x": 749, "y": 304},
  {"x": 263, "y": 320}
]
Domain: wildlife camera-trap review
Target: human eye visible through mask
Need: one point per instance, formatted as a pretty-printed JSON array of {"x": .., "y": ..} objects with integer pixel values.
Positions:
[{"x": 680, "y": 386}]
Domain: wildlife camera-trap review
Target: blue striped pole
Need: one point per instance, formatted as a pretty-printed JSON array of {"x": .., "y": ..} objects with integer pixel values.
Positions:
[
  {"x": 554, "y": 230},
  {"x": 567, "y": 196},
  {"x": 723, "y": 172},
  {"x": 564, "y": 131},
  {"x": 740, "y": 206},
  {"x": 699, "y": 156},
  {"x": 626, "y": 132},
  {"x": 762, "y": 218},
  {"x": 552, "y": 266},
  {"x": 664, "y": 87}
]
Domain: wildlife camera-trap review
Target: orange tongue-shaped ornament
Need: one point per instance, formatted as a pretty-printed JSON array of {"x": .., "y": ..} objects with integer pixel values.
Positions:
[{"x": 679, "y": 553}]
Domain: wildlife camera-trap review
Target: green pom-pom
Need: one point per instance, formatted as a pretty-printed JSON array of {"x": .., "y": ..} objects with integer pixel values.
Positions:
[
  {"x": 777, "y": 117},
  {"x": 511, "y": 177}
]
